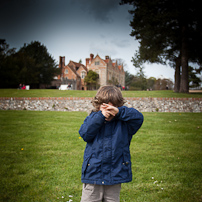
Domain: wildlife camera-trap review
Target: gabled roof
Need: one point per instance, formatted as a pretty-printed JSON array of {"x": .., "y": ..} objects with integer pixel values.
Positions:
[
  {"x": 79, "y": 65},
  {"x": 97, "y": 56},
  {"x": 73, "y": 70}
]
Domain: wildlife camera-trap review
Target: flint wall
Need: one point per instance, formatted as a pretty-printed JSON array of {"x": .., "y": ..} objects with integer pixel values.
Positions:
[{"x": 84, "y": 104}]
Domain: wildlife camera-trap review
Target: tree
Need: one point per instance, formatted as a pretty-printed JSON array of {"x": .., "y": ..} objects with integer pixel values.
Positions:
[
  {"x": 141, "y": 78},
  {"x": 43, "y": 66},
  {"x": 32, "y": 65},
  {"x": 128, "y": 78},
  {"x": 163, "y": 84},
  {"x": 135, "y": 82},
  {"x": 150, "y": 83},
  {"x": 168, "y": 30},
  {"x": 8, "y": 74},
  {"x": 25, "y": 66},
  {"x": 4, "y": 49},
  {"x": 91, "y": 79},
  {"x": 194, "y": 80}
]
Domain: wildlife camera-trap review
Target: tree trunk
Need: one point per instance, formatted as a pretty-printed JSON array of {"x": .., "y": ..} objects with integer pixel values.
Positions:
[
  {"x": 184, "y": 84},
  {"x": 177, "y": 75}
]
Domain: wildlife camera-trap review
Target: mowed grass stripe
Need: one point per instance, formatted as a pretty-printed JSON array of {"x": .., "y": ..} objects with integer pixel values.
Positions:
[{"x": 80, "y": 93}]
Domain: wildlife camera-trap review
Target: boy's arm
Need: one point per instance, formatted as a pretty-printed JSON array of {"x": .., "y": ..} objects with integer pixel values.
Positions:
[
  {"x": 133, "y": 118},
  {"x": 91, "y": 125}
]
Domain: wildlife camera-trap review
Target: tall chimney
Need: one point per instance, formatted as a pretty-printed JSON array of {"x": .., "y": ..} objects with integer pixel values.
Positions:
[
  {"x": 87, "y": 61},
  {"x": 61, "y": 65},
  {"x": 91, "y": 57},
  {"x": 62, "y": 61}
]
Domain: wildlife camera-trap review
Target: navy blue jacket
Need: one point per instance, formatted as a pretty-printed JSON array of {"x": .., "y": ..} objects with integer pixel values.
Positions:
[{"x": 107, "y": 158}]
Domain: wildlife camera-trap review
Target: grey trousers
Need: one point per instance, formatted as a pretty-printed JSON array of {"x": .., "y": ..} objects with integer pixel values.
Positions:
[{"x": 101, "y": 193}]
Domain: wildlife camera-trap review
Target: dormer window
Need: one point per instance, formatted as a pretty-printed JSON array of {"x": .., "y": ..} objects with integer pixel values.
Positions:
[
  {"x": 97, "y": 63},
  {"x": 83, "y": 74}
]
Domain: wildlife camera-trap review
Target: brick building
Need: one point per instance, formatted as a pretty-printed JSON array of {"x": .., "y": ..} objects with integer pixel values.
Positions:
[
  {"x": 110, "y": 73},
  {"x": 73, "y": 73}
]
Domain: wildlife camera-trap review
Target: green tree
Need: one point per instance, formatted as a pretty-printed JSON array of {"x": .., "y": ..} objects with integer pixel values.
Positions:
[
  {"x": 26, "y": 66},
  {"x": 32, "y": 65},
  {"x": 8, "y": 74},
  {"x": 151, "y": 82},
  {"x": 168, "y": 30},
  {"x": 194, "y": 80},
  {"x": 136, "y": 82},
  {"x": 43, "y": 67},
  {"x": 91, "y": 79},
  {"x": 163, "y": 84},
  {"x": 128, "y": 78}
]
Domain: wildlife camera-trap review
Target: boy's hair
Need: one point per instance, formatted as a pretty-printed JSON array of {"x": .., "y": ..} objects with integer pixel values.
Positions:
[{"x": 106, "y": 94}]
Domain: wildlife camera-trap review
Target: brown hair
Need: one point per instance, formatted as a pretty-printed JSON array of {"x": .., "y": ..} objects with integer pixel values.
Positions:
[{"x": 106, "y": 94}]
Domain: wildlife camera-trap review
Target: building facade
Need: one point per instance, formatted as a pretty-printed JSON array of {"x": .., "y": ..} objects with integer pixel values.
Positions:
[{"x": 110, "y": 73}]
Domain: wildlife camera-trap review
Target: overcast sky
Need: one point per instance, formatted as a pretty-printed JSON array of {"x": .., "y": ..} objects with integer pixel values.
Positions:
[{"x": 74, "y": 29}]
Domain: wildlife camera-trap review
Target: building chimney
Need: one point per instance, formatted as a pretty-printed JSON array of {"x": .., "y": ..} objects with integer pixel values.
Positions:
[
  {"x": 87, "y": 61},
  {"x": 62, "y": 61},
  {"x": 61, "y": 65},
  {"x": 91, "y": 57}
]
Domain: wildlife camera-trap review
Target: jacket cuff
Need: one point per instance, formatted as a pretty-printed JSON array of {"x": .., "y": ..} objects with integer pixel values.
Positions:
[
  {"x": 119, "y": 113},
  {"x": 101, "y": 115}
]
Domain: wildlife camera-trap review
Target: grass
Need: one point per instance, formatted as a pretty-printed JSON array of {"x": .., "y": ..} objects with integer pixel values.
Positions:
[
  {"x": 79, "y": 93},
  {"x": 41, "y": 157}
]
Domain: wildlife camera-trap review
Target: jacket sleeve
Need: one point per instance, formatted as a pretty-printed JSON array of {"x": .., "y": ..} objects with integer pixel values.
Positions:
[
  {"x": 133, "y": 118},
  {"x": 91, "y": 125}
]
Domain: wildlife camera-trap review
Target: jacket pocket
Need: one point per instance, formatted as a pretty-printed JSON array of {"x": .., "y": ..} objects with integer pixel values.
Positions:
[
  {"x": 126, "y": 166},
  {"x": 91, "y": 168},
  {"x": 85, "y": 163},
  {"x": 122, "y": 168}
]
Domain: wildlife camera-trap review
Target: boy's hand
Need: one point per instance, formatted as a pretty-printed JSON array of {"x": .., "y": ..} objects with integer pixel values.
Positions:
[
  {"x": 105, "y": 113},
  {"x": 113, "y": 110},
  {"x": 109, "y": 111}
]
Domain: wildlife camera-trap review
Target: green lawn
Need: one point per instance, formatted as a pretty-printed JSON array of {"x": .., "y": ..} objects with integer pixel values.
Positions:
[
  {"x": 79, "y": 93},
  {"x": 41, "y": 157}
]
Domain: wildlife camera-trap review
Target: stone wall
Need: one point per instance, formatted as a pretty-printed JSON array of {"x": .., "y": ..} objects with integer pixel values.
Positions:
[{"x": 84, "y": 104}]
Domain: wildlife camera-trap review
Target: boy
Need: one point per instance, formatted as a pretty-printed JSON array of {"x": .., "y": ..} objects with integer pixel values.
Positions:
[{"x": 108, "y": 131}]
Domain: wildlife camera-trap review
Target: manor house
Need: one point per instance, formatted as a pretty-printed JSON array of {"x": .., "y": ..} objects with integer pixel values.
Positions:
[{"x": 110, "y": 73}]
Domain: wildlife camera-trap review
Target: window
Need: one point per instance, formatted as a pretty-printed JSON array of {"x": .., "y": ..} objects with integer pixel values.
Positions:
[
  {"x": 83, "y": 74},
  {"x": 97, "y": 63},
  {"x": 66, "y": 71}
]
